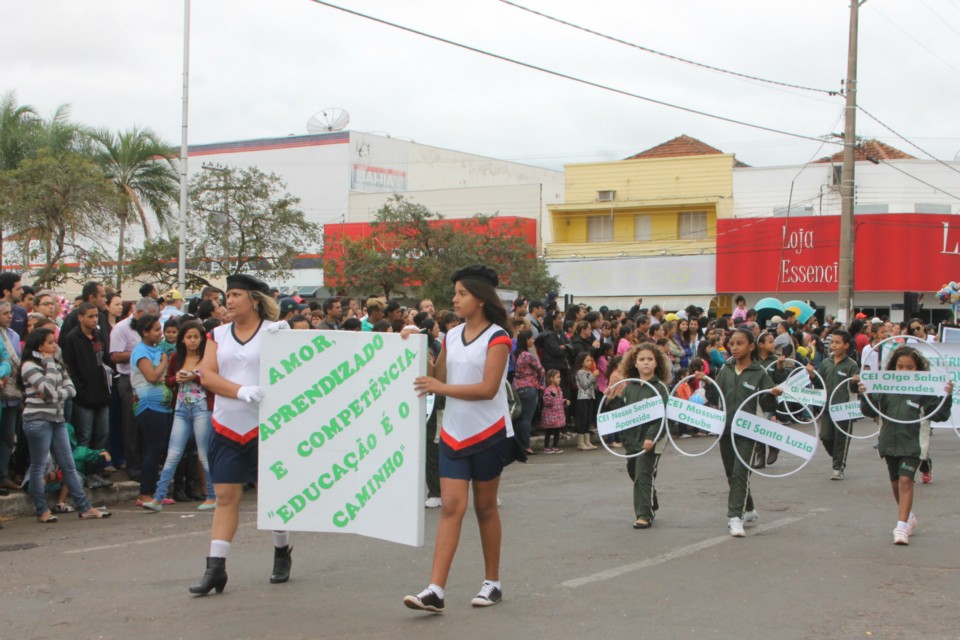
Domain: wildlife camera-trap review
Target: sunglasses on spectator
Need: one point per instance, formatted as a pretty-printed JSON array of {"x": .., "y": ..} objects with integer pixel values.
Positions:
[{"x": 915, "y": 329}]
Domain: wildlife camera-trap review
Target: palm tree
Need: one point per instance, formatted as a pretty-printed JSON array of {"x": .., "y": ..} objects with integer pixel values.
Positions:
[
  {"x": 141, "y": 167},
  {"x": 17, "y": 123}
]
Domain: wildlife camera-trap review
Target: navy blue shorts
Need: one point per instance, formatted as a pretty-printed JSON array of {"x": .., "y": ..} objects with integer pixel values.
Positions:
[
  {"x": 231, "y": 463},
  {"x": 481, "y": 466}
]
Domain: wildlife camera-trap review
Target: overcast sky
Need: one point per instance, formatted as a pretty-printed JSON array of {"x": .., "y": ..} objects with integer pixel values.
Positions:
[{"x": 261, "y": 68}]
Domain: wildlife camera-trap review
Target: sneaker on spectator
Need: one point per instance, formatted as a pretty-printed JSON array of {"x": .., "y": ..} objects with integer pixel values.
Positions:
[
  {"x": 736, "y": 528},
  {"x": 426, "y": 600},
  {"x": 432, "y": 503},
  {"x": 489, "y": 595}
]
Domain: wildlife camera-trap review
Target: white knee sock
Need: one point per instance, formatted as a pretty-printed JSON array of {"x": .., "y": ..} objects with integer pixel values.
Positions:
[
  {"x": 281, "y": 539},
  {"x": 219, "y": 548}
]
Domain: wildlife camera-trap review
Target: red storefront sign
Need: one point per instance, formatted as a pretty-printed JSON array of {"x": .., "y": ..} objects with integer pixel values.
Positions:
[{"x": 893, "y": 252}]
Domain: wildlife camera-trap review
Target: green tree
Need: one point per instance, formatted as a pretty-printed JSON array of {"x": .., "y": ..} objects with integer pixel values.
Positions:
[
  {"x": 59, "y": 203},
  {"x": 414, "y": 248},
  {"x": 241, "y": 221},
  {"x": 142, "y": 170}
]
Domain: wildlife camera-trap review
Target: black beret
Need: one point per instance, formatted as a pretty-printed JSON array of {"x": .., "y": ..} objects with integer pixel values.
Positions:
[
  {"x": 248, "y": 283},
  {"x": 476, "y": 272}
]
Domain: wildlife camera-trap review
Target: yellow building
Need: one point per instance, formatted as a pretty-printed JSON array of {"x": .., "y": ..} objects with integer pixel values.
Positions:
[{"x": 643, "y": 226}]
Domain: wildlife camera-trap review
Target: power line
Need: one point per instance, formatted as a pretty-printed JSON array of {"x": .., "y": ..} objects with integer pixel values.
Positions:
[
  {"x": 565, "y": 76},
  {"x": 915, "y": 39},
  {"x": 902, "y": 137},
  {"x": 910, "y": 175},
  {"x": 939, "y": 17},
  {"x": 668, "y": 55}
]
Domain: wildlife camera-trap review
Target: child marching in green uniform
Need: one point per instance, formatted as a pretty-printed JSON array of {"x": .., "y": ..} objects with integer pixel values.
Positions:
[
  {"x": 900, "y": 443},
  {"x": 767, "y": 356},
  {"x": 839, "y": 370},
  {"x": 648, "y": 363},
  {"x": 738, "y": 379}
]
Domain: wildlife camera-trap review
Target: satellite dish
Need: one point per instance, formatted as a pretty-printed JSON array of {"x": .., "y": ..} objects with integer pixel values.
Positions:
[{"x": 331, "y": 119}]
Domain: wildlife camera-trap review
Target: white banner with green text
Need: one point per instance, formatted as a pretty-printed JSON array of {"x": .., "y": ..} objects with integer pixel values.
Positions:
[{"x": 342, "y": 434}]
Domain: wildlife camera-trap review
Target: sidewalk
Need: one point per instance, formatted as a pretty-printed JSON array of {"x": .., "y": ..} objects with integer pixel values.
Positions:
[{"x": 19, "y": 504}]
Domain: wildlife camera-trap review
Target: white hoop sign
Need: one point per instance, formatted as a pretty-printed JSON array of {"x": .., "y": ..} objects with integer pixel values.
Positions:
[
  {"x": 908, "y": 383},
  {"x": 632, "y": 415},
  {"x": 847, "y": 412},
  {"x": 787, "y": 439},
  {"x": 696, "y": 415},
  {"x": 797, "y": 388}
]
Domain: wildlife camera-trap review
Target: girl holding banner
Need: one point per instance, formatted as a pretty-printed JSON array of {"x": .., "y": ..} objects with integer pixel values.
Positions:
[
  {"x": 648, "y": 363},
  {"x": 476, "y": 440},
  {"x": 899, "y": 445},
  {"x": 740, "y": 378},
  {"x": 231, "y": 370}
]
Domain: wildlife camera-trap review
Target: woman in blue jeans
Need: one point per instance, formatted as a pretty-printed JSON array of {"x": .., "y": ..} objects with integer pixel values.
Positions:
[
  {"x": 191, "y": 415},
  {"x": 528, "y": 380},
  {"x": 46, "y": 387}
]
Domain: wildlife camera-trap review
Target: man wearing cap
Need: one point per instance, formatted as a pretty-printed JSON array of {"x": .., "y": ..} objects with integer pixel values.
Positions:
[
  {"x": 289, "y": 308},
  {"x": 174, "y": 306}
]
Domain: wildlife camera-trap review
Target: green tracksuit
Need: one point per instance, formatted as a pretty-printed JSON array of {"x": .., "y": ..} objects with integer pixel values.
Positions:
[
  {"x": 736, "y": 388},
  {"x": 835, "y": 441},
  {"x": 643, "y": 469},
  {"x": 903, "y": 440}
]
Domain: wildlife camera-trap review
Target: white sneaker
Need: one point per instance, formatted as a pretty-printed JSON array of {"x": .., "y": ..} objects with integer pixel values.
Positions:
[
  {"x": 912, "y": 523},
  {"x": 901, "y": 536},
  {"x": 837, "y": 475},
  {"x": 751, "y": 517},
  {"x": 736, "y": 528},
  {"x": 499, "y": 502},
  {"x": 433, "y": 503}
]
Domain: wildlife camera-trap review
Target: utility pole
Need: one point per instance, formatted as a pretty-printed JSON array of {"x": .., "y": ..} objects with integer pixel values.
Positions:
[
  {"x": 847, "y": 236},
  {"x": 182, "y": 254}
]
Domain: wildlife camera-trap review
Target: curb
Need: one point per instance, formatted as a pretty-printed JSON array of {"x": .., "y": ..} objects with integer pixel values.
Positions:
[{"x": 19, "y": 504}]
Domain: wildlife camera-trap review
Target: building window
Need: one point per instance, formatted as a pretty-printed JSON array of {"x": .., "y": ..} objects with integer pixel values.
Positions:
[
  {"x": 642, "y": 228},
  {"x": 600, "y": 229},
  {"x": 931, "y": 208},
  {"x": 871, "y": 208},
  {"x": 693, "y": 225}
]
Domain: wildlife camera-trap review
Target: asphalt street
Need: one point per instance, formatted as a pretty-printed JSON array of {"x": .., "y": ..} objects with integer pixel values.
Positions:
[{"x": 820, "y": 564}]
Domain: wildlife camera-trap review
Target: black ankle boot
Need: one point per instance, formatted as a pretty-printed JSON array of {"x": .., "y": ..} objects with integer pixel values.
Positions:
[
  {"x": 215, "y": 577},
  {"x": 282, "y": 559}
]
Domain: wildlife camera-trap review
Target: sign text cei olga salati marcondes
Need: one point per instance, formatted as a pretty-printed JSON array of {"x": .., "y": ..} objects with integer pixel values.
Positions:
[
  {"x": 341, "y": 434},
  {"x": 919, "y": 383}
]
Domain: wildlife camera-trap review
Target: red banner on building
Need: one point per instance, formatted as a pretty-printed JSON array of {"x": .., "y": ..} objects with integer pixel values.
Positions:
[{"x": 893, "y": 252}]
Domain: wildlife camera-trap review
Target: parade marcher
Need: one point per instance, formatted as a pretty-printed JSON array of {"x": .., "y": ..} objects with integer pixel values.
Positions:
[
  {"x": 231, "y": 370},
  {"x": 648, "y": 363},
  {"x": 767, "y": 357},
  {"x": 476, "y": 440},
  {"x": 837, "y": 370},
  {"x": 900, "y": 443},
  {"x": 738, "y": 379}
]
